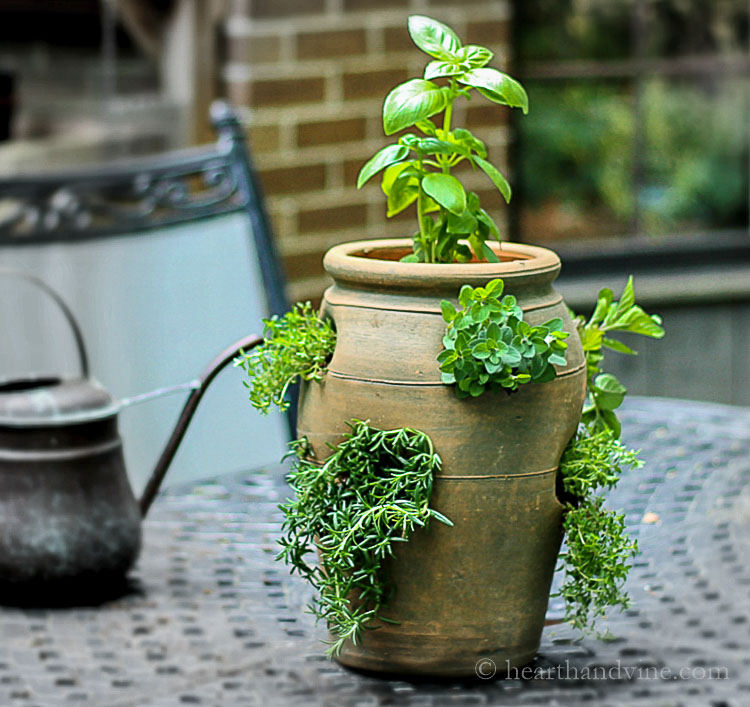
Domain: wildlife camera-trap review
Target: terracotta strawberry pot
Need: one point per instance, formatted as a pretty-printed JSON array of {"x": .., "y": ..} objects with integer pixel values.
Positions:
[{"x": 478, "y": 590}]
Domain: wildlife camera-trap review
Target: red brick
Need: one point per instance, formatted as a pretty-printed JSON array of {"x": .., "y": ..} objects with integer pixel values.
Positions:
[
  {"x": 287, "y": 91},
  {"x": 315, "y": 45},
  {"x": 370, "y": 84},
  {"x": 290, "y": 180},
  {"x": 397, "y": 39},
  {"x": 494, "y": 202},
  {"x": 264, "y": 138},
  {"x": 332, "y": 219},
  {"x": 254, "y": 50},
  {"x": 327, "y": 132},
  {"x": 304, "y": 265},
  {"x": 491, "y": 34},
  {"x": 351, "y": 170},
  {"x": 373, "y": 4},
  {"x": 285, "y": 8},
  {"x": 488, "y": 115}
]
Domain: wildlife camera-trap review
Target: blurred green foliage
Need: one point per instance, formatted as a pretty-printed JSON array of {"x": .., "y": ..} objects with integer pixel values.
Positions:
[
  {"x": 693, "y": 174},
  {"x": 604, "y": 152}
]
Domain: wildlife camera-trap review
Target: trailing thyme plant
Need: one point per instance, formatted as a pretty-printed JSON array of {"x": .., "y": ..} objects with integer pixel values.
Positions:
[
  {"x": 488, "y": 345},
  {"x": 371, "y": 493},
  {"x": 451, "y": 221},
  {"x": 598, "y": 547},
  {"x": 297, "y": 345}
]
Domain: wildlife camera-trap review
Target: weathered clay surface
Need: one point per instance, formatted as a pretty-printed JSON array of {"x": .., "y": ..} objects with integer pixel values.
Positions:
[{"x": 480, "y": 588}]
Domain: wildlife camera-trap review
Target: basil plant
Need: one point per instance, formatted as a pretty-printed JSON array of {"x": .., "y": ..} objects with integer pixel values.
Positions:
[{"x": 453, "y": 226}]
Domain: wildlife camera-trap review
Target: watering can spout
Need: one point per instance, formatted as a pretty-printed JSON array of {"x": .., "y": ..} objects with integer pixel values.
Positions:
[{"x": 198, "y": 388}]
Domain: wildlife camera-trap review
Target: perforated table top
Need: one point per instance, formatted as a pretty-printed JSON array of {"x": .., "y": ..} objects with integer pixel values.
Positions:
[{"x": 217, "y": 621}]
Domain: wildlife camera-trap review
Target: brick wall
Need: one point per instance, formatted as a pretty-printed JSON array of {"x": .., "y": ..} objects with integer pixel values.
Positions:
[{"x": 309, "y": 78}]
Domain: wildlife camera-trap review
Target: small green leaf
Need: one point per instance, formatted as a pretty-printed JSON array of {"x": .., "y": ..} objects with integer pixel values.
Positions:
[
  {"x": 627, "y": 300},
  {"x": 489, "y": 253},
  {"x": 437, "y": 69},
  {"x": 465, "y": 138},
  {"x": 427, "y": 127},
  {"x": 393, "y": 172},
  {"x": 411, "y": 102},
  {"x": 498, "y": 87},
  {"x": 494, "y": 174},
  {"x": 433, "y": 146},
  {"x": 611, "y": 421},
  {"x": 591, "y": 339},
  {"x": 463, "y": 223},
  {"x": 476, "y": 389},
  {"x": 402, "y": 195},
  {"x": 475, "y": 56},
  {"x": 635, "y": 320},
  {"x": 448, "y": 310},
  {"x": 446, "y": 190},
  {"x": 618, "y": 346},
  {"x": 433, "y": 37},
  {"x": 483, "y": 217},
  {"x": 495, "y": 287},
  {"x": 609, "y": 391},
  {"x": 557, "y": 359},
  {"x": 603, "y": 301},
  {"x": 380, "y": 160}
]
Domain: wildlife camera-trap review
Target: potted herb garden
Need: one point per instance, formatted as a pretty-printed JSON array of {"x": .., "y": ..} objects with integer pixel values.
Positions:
[{"x": 454, "y": 418}]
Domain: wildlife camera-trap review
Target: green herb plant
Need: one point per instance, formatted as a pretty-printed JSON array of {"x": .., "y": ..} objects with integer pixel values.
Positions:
[
  {"x": 452, "y": 223},
  {"x": 298, "y": 345},
  {"x": 371, "y": 493},
  {"x": 489, "y": 346},
  {"x": 599, "y": 549}
]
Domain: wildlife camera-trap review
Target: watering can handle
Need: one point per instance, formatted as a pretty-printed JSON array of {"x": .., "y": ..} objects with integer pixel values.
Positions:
[
  {"x": 82, "y": 355},
  {"x": 211, "y": 371}
]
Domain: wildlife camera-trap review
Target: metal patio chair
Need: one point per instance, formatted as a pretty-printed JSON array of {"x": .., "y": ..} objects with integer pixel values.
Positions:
[{"x": 164, "y": 260}]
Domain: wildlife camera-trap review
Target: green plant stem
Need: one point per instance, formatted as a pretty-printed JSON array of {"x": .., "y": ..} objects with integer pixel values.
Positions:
[{"x": 420, "y": 214}]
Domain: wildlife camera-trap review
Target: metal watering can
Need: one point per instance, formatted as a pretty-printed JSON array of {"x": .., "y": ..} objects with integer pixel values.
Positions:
[{"x": 68, "y": 517}]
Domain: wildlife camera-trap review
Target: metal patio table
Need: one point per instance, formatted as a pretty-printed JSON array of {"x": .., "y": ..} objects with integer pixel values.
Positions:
[{"x": 214, "y": 620}]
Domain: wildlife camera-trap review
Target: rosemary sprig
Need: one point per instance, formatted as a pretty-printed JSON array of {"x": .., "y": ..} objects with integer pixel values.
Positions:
[{"x": 346, "y": 514}]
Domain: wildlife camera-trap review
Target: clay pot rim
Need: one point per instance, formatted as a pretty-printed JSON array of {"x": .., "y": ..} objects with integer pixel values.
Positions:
[{"x": 353, "y": 262}]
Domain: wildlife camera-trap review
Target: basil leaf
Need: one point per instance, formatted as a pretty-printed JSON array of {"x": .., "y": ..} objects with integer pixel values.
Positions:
[
  {"x": 446, "y": 190},
  {"x": 498, "y": 87},
  {"x": 411, "y": 102},
  {"x": 433, "y": 37},
  {"x": 494, "y": 174},
  {"x": 475, "y": 56},
  {"x": 380, "y": 160},
  {"x": 436, "y": 69},
  {"x": 489, "y": 254}
]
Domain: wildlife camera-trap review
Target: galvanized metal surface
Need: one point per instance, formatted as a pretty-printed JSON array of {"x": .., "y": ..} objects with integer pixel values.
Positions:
[{"x": 218, "y": 622}]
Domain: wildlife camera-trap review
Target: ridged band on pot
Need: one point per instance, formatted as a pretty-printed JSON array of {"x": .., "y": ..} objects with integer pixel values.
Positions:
[{"x": 479, "y": 589}]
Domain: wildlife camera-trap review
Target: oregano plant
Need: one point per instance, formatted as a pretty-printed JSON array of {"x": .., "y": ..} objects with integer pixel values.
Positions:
[
  {"x": 488, "y": 345},
  {"x": 599, "y": 549},
  {"x": 452, "y": 225}
]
